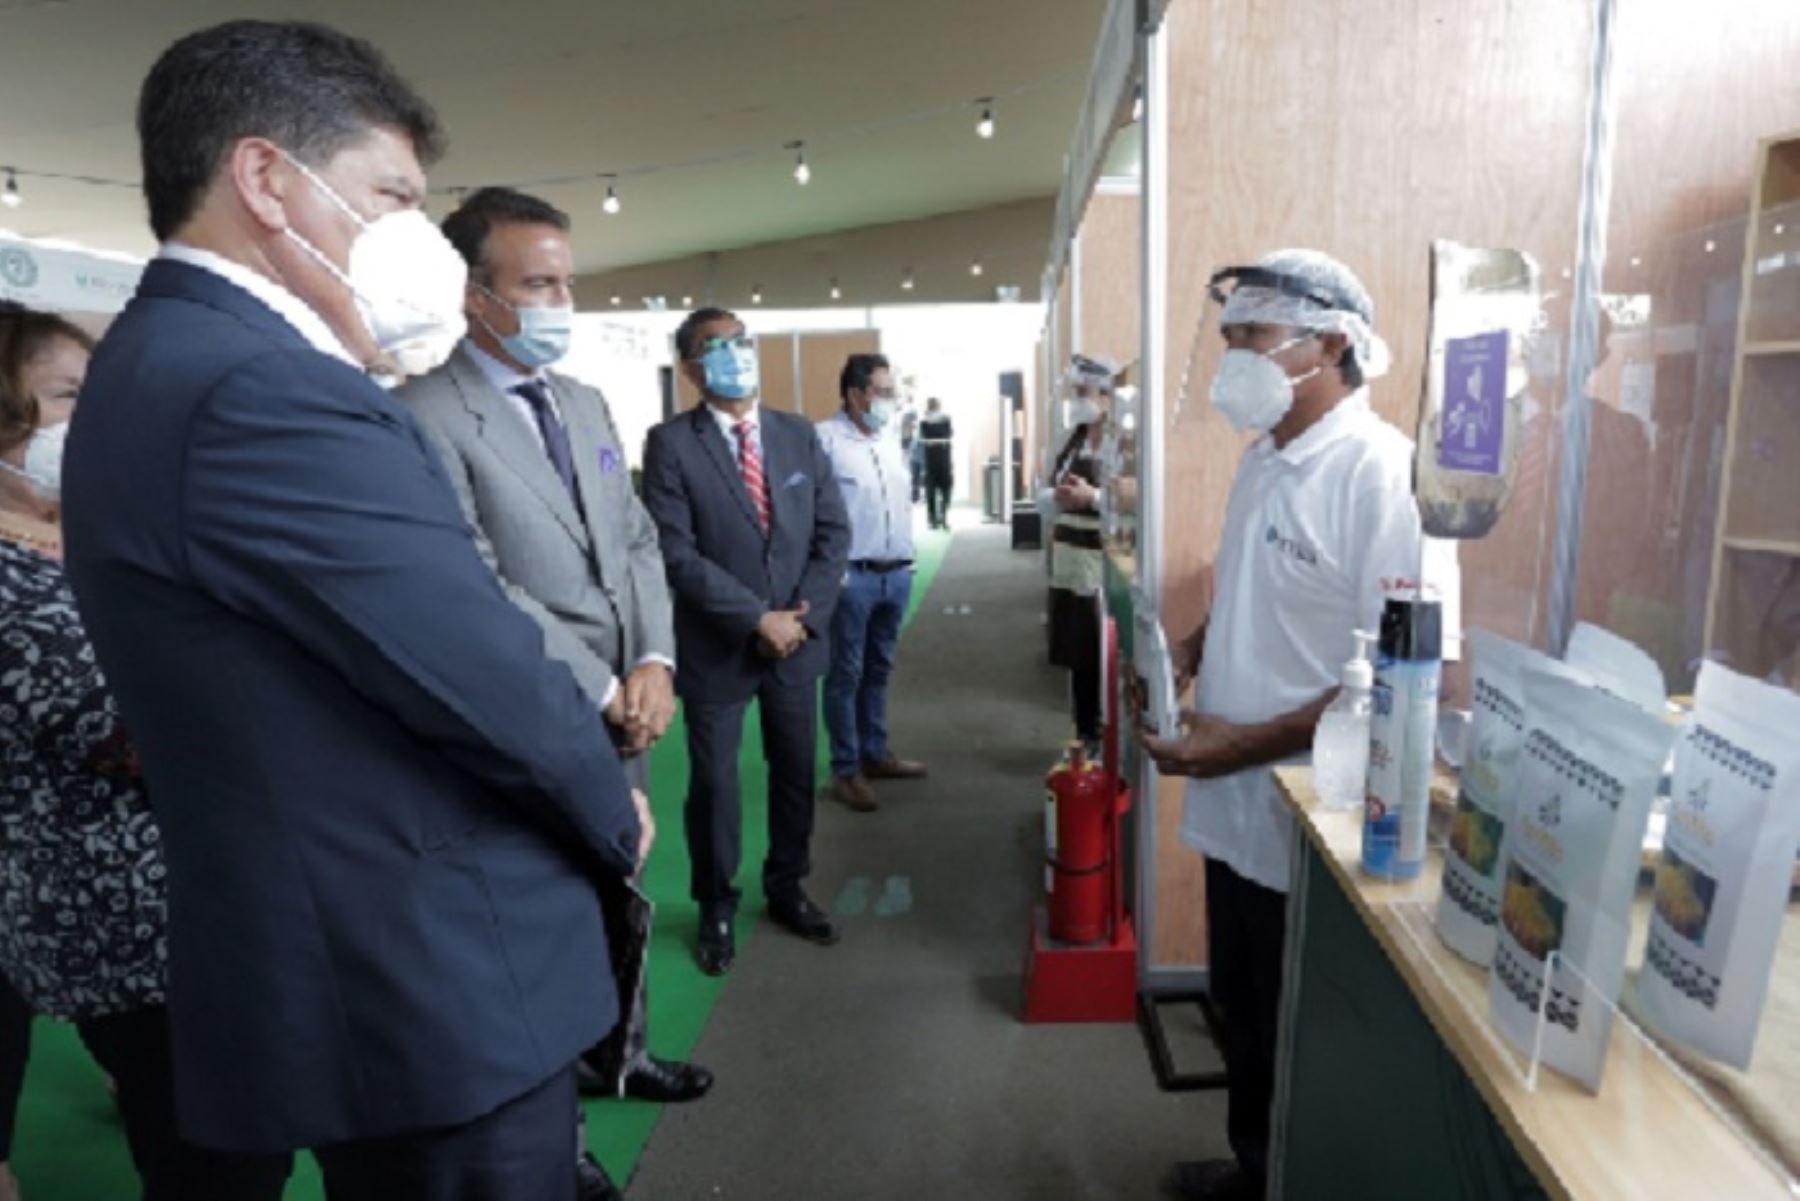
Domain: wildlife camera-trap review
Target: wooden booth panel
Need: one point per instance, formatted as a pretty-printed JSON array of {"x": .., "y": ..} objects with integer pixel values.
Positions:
[
  {"x": 821, "y": 360},
  {"x": 1112, "y": 291}
]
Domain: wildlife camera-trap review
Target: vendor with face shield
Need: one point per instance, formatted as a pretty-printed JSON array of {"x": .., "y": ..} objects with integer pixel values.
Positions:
[
  {"x": 1076, "y": 563},
  {"x": 1320, "y": 529}
]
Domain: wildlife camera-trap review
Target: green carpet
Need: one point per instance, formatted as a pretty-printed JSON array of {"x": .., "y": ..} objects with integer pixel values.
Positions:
[{"x": 69, "y": 1146}]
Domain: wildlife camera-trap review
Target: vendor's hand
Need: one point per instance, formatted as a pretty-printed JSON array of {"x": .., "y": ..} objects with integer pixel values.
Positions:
[
  {"x": 1207, "y": 747},
  {"x": 646, "y": 826},
  {"x": 780, "y": 632},
  {"x": 1076, "y": 495},
  {"x": 649, "y": 694}
]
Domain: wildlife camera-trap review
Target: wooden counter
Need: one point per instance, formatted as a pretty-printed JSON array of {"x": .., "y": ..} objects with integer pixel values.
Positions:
[{"x": 1650, "y": 1133}]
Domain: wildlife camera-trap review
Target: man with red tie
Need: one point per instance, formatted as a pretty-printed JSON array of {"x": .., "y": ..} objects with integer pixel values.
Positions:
[{"x": 755, "y": 538}]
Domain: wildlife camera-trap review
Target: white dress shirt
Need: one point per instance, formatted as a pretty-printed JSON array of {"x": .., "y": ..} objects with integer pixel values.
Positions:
[
  {"x": 505, "y": 379},
  {"x": 728, "y": 426},
  {"x": 1317, "y": 535},
  {"x": 877, "y": 486},
  {"x": 289, "y": 307}
]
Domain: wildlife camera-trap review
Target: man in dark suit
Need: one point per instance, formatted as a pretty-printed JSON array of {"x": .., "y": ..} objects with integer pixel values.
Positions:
[
  {"x": 756, "y": 540},
  {"x": 540, "y": 471},
  {"x": 385, "y": 810}
]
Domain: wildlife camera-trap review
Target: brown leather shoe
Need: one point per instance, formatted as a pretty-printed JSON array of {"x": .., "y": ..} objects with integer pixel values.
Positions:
[
  {"x": 892, "y": 768},
  {"x": 854, "y": 791}
]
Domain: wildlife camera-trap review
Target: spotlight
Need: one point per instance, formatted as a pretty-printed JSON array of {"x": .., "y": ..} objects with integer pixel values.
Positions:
[
  {"x": 802, "y": 172},
  {"x": 611, "y": 204},
  {"x": 756, "y": 295},
  {"x": 984, "y": 128},
  {"x": 11, "y": 197},
  {"x": 906, "y": 281},
  {"x": 837, "y": 293},
  {"x": 975, "y": 267}
]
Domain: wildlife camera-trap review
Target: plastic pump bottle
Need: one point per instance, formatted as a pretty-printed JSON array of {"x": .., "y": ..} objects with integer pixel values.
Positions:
[{"x": 1341, "y": 741}]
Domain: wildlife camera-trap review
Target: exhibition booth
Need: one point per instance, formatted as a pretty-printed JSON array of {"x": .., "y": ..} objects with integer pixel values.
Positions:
[{"x": 1599, "y": 204}]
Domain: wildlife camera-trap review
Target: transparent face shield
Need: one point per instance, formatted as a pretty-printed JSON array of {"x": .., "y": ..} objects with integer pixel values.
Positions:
[{"x": 1256, "y": 296}]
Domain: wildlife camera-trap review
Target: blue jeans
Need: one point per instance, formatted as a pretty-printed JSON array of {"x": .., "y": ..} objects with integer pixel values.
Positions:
[{"x": 865, "y": 633}]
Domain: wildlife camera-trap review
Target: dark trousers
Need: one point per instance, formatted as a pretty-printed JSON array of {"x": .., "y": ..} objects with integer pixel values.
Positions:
[
  {"x": 520, "y": 1152},
  {"x": 133, "y": 1048},
  {"x": 1246, "y": 927},
  {"x": 714, "y": 814},
  {"x": 937, "y": 497},
  {"x": 15, "y": 1050},
  {"x": 1084, "y": 685},
  {"x": 614, "y": 1056}
]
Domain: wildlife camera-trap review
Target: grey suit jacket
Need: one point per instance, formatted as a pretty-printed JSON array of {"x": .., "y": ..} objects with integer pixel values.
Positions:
[
  {"x": 591, "y": 575},
  {"x": 724, "y": 573}
]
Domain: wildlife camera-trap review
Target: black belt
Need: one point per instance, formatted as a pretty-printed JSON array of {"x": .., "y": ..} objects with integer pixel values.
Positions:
[{"x": 880, "y": 566}]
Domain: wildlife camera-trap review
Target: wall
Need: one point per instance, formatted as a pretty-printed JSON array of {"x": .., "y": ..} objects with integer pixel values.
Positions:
[
  {"x": 868, "y": 263},
  {"x": 1112, "y": 288}
]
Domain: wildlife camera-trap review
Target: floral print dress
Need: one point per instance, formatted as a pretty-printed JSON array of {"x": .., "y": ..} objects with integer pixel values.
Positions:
[{"x": 82, "y": 892}]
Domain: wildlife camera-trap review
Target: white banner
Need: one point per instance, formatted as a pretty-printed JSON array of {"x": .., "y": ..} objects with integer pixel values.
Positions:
[{"x": 65, "y": 279}]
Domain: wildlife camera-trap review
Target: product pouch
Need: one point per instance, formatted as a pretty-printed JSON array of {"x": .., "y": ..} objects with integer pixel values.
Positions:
[
  {"x": 1485, "y": 314},
  {"x": 1469, "y": 905},
  {"x": 1727, "y": 865},
  {"x": 1617, "y": 665},
  {"x": 1582, "y": 790}
]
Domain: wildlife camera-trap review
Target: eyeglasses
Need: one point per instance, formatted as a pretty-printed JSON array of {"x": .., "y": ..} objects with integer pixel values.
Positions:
[{"x": 722, "y": 342}]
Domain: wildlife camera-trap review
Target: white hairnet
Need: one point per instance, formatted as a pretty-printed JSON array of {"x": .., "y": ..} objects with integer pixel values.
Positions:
[
  {"x": 1353, "y": 317},
  {"x": 1093, "y": 371}
]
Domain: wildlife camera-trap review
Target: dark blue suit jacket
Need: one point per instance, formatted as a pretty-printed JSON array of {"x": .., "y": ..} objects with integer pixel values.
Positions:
[
  {"x": 723, "y": 572},
  {"x": 384, "y": 809}
]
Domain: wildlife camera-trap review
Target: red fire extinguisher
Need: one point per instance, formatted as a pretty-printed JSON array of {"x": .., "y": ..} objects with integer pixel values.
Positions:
[{"x": 1078, "y": 855}]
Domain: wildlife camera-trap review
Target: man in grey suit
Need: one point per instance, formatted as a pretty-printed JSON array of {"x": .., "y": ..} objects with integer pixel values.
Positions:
[
  {"x": 756, "y": 540},
  {"x": 539, "y": 469}
]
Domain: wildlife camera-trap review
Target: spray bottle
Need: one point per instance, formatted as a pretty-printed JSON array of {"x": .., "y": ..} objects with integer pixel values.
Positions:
[
  {"x": 1341, "y": 742},
  {"x": 1402, "y": 729}
]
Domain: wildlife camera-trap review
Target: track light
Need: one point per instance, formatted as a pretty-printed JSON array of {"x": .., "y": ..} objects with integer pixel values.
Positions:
[
  {"x": 984, "y": 128},
  {"x": 11, "y": 197},
  {"x": 616, "y": 301},
  {"x": 756, "y": 295},
  {"x": 975, "y": 267},
  {"x": 906, "y": 281},
  {"x": 611, "y": 204},
  {"x": 837, "y": 293},
  {"x": 687, "y": 302},
  {"x": 802, "y": 172}
]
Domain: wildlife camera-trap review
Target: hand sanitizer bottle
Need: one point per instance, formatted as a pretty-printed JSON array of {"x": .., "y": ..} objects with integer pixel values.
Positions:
[{"x": 1341, "y": 741}]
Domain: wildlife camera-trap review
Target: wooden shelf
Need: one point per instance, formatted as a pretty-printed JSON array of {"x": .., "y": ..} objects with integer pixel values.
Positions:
[
  {"x": 1764, "y": 546},
  {"x": 1772, "y": 348}
]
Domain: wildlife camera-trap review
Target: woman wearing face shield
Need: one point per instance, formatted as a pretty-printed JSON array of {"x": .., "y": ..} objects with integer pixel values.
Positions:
[
  {"x": 82, "y": 901},
  {"x": 1076, "y": 559}
]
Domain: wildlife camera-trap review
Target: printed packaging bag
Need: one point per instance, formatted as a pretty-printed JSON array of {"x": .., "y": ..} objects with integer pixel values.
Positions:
[
  {"x": 1485, "y": 316},
  {"x": 1618, "y": 665},
  {"x": 1581, "y": 795},
  {"x": 1469, "y": 905},
  {"x": 1727, "y": 864}
]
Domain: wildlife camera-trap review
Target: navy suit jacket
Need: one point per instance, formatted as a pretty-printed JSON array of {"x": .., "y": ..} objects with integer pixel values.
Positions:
[
  {"x": 384, "y": 810},
  {"x": 725, "y": 575}
]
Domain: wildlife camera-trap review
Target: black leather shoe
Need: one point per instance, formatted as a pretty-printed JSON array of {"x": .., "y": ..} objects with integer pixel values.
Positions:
[
  {"x": 666, "y": 1081},
  {"x": 718, "y": 944},
  {"x": 800, "y": 916},
  {"x": 591, "y": 1181},
  {"x": 1211, "y": 1180}
]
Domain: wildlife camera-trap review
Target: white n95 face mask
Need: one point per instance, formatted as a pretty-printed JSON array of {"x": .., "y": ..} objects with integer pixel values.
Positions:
[
  {"x": 408, "y": 281},
  {"x": 44, "y": 460},
  {"x": 1252, "y": 390}
]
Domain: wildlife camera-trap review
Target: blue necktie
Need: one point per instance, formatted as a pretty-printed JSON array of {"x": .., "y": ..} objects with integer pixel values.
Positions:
[{"x": 556, "y": 439}]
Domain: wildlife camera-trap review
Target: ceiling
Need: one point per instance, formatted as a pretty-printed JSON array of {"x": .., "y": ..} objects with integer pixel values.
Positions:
[{"x": 544, "y": 89}]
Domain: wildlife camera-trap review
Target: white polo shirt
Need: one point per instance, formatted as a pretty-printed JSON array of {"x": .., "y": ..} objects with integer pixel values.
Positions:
[{"x": 1317, "y": 536}]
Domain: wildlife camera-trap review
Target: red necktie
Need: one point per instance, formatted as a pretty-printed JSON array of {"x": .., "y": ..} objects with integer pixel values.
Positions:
[{"x": 750, "y": 463}]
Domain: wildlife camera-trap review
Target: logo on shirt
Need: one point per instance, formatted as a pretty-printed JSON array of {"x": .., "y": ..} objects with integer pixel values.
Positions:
[
  {"x": 1293, "y": 548},
  {"x": 18, "y": 268}
]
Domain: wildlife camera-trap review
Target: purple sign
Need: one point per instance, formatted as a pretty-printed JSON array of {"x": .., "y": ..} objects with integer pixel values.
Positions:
[{"x": 1474, "y": 424}]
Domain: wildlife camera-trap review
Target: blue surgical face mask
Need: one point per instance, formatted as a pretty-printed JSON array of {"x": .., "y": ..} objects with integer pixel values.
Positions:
[
  {"x": 732, "y": 371},
  {"x": 880, "y": 415},
  {"x": 544, "y": 333}
]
